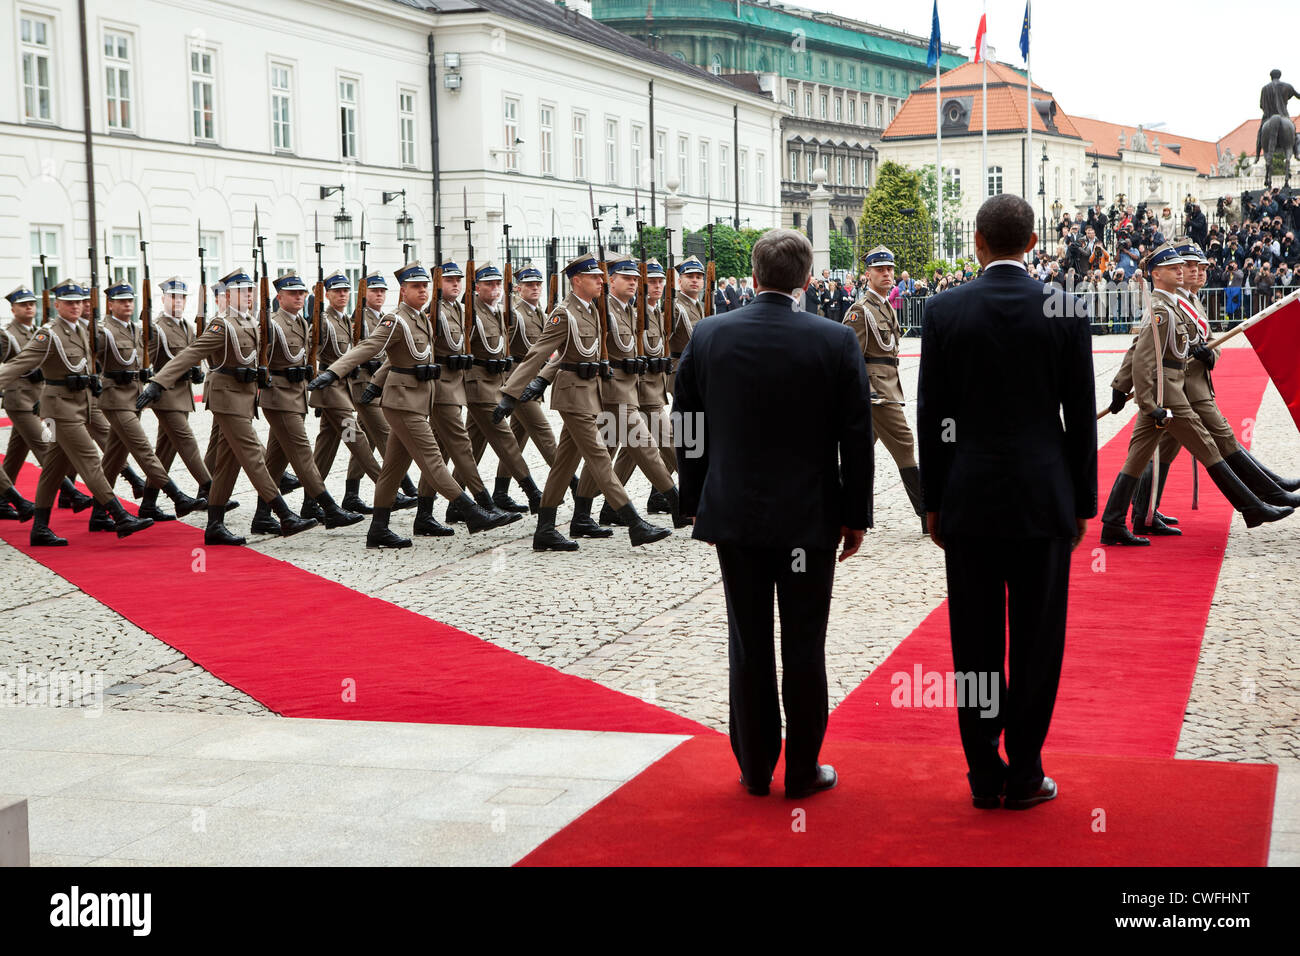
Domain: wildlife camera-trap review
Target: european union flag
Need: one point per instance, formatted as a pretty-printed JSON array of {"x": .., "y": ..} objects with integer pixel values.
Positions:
[
  {"x": 1024, "y": 34},
  {"x": 932, "y": 57}
]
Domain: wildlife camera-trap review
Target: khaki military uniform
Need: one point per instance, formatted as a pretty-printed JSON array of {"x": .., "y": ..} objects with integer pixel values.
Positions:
[
  {"x": 371, "y": 416},
  {"x": 1168, "y": 445},
  {"x": 285, "y": 402},
  {"x": 450, "y": 396},
  {"x": 229, "y": 344},
  {"x": 119, "y": 356},
  {"x": 652, "y": 400},
  {"x": 687, "y": 312},
  {"x": 528, "y": 420},
  {"x": 20, "y": 402},
  {"x": 490, "y": 341},
  {"x": 171, "y": 336},
  {"x": 573, "y": 329},
  {"x": 880, "y": 337},
  {"x": 61, "y": 349},
  {"x": 1198, "y": 386},
  {"x": 407, "y": 336},
  {"x": 338, "y": 421},
  {"x": 1164, "y": 353}
]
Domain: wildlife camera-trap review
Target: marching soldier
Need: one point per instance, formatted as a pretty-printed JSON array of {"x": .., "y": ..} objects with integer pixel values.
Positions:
[
  {"x": 13, "y": 506},
  {"x": 26, "y": 431},
  {"x": 229, "y": 344},
  {"x": 1159, "y": 364},
  {"x": 100, "y": 432},
  {"x": 880, "y": 337},
  {"x": 620, "y": 400},
  {"x": 285, "y": 405},
  {"x": 573, "y": 330},
  {"x": 61, "y": 350},
  {"x": 689, "y": 309},
  {"x": 171, "y": 335},
  {"x": 652, "y": 390},
  {"x": 121, "y": 359},
  {"x": 407, "y": 336},
  {"x": 369, "y": 414},
  {"x": 339, "y": 420},
  {"x": 454, "y": 356},
  {"x": 529, "y": 418}
]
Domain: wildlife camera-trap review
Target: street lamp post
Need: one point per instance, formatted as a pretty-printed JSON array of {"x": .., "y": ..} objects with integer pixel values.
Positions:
[
  {"x": 342, "y": 221},
  {"x": 1042, "y": 187}
]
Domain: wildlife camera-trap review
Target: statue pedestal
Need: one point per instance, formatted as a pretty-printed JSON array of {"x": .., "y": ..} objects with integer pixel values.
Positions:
[
  {"x": 819, "y": 216},
  {"x": 673, "y": 206}
]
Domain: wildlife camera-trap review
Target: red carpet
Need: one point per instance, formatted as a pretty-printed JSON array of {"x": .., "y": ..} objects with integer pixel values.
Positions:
[
  {"x": 298, "y": 642},
  {"x": 908, "y": 806},
  {"x": 1137, "y": 616}
]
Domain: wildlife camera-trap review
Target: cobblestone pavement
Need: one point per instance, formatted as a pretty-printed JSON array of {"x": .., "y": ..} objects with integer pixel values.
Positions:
[{"x": 651, "y": 621}]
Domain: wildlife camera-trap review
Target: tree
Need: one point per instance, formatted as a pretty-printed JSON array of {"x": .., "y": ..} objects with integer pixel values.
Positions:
[
  {"x": 656, "y": 245},
  {"x": 841, "y": 251},
  {"x": 951, "y": 206},
  {"x": 730, "y": 250},
  {"x": 893, "y": 215}
]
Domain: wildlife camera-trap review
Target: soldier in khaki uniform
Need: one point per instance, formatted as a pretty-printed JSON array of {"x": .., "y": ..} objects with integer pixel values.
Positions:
[
  {"x": 688, "y": 309},
  {"x": 13, "y": 506},
  {"x": 285, "y": 405},
  {"x": 120, "y": 356},
  {"x": 880, "y": 338},
  {"x": 229, "y": 344},
  {"x": 1159, "y": 364},
  {"x": 529, "y": 419},
  {"x": 574, "y": 330},
  {"x": 407, "y": 336},
  {"x": 61, "y": 350},
  {"x": 27, "y": 431},
  {"x": 172, "y": 335},
  {"x": 620, "y": 400},
  {"x": 369, "y": 413}
]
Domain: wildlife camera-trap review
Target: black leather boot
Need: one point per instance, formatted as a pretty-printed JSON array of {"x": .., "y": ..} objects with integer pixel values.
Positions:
[
  {"x": 484, "y": 501},
  {"x": 573, "y": 487},
  {"x": 23, "y": 509},
  {"x": 42, "y": 536},
  {"x": 380, "y": 535},
  {"x": 1114, "y": 520},
  {"x": 7, "y": 512},
  {"x": 334, "y": 516},
  {"x": 291, "y": 523},
  {"x": 183, "y": 502},
  {"x": 263, "y": 521},
  {"x": 205, "y": 491},
  {"x": 1254, "y": 511},
  {"x": 352, "y": 497},
  {"x": 70, "y": 497},
  {"x": 1261, "y": 485},
  {"x": 477, "y": 518},
  {"x": 581, "y": 525},
  {"x": 149, "y": 507},
  {"x": 546, "y": 538},
  {"x": 403, "y": 501},
  {"x": 1142, "y": 503},
  {"x": 453, "y": 511},
  {"x": 125, "y": 524},
  {"x": 912, "y": 485},
  {"x": 408, "y": 487},
  {"x": 310, "y": 509},
  {"x": 501, "y": 496},
  {"x": 640, "y": 531},
  {"x": 1286, "y": 484},
  {"x": 216, "y": 533},
  {"x": 425, "y": 523},
  {"x": 135, "y": 481},
  {"x": 100, "y": 519},
  {"x": 609, "y": 516},
  {"x": 532, "y": 493},
  {"x": 675, "y": 508},
  {"x": 288, "y": 483},
  {"x": 656, "y": 504}
]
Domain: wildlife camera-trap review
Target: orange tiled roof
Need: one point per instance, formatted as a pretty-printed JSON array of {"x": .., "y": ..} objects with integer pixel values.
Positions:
[
  {"x": 1007, "y": 106},
  {"x": 1242, "y": 139},
  {"x": 1103, "y": 138}
]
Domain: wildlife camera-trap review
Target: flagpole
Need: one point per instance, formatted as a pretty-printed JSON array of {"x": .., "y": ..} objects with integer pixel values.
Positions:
[
  {"x": 938, "y": 131},
  {"x": 1029, "y": 110},
  {"x": 984, "y": 108}
]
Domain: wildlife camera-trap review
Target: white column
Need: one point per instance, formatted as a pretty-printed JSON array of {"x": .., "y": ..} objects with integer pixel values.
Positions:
[
  {"x": 673, "y": 206},
  {"x": 820, "y": 213}
]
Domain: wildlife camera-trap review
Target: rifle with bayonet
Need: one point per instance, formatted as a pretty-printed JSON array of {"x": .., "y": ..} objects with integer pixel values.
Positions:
[
  {"x": 467, "y": 299},
  {"x": 642, "y": 359},
  {"x": 200, "y": 311},
  {"x": 318, "y": 304},
  {"x": 670, "y": 297},
  {"x": 94, "y": 308},
  {"x": 44, "y": 318},
  {"x": 508, "y": 292},
  {"x": 435, "y": 300},
  {"x": 710, "y": 275},
  {"x": 108, "y": 271},
  {"x": 263, "y": 309},
  {"x": 146, "y": 306},
  {"x": 359, "y": 312},
  {"x": 553, "y": 273},
  {"x": 602, "y": 302}
]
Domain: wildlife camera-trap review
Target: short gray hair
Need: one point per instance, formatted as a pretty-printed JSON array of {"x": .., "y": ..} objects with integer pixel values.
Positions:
[{"x": 782, "y": 259}]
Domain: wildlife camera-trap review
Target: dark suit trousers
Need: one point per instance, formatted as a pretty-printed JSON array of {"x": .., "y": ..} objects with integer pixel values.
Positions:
[
  {"x": 802, "y": 582},
  {"x": 993, "y": 583}
]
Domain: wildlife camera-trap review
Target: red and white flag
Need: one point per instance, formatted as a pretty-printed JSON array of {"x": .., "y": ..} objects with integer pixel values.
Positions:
[
  {"x": 979, "y": 37},
  {"x": 1276, "y": 338},
  {"x": 1193, "y": 313}
]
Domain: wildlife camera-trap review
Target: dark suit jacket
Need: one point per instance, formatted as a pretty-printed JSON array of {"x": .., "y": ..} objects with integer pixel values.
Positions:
[
  {"x": 782, "y": 425},
  {"x": 733, "y": 297},
  {"x": 1003, "y": 361},
  {"x": 720, "y": 303}
]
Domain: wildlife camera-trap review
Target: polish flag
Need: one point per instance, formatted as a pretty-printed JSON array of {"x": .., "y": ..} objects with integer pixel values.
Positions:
[
  {"x": 979, "y": 37},
  {"x": 1276, "y": 338}
]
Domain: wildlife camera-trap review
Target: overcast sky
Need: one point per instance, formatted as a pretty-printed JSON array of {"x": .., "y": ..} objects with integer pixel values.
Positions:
[{"x": 1136, "y": 62}]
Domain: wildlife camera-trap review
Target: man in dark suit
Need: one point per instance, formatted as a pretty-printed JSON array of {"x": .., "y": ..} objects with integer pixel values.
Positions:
[
  {"x": 720, "y": 303},
  {"x": 732, "y": 294},
  {"x": 780, "y": 474},
  {"x": 1008, "y": 491}
]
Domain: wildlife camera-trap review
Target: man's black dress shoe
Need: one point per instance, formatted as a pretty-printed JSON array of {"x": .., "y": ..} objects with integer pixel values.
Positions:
[
  {"x": 1046, "y": 791},
  {"x": 826, "y": 779},
  {"x": 758, "y": 790},
  {"x": 986, "y": 802}
]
